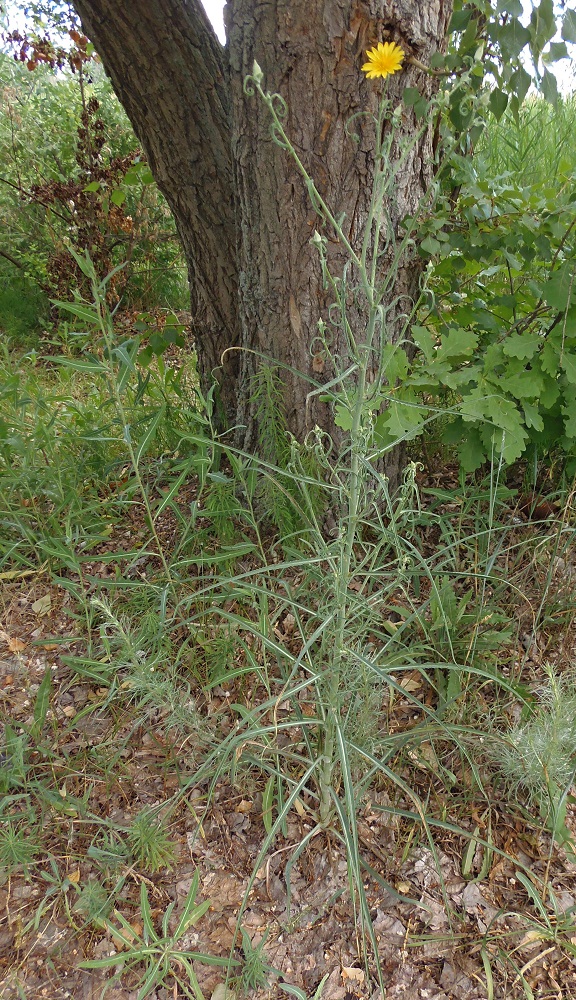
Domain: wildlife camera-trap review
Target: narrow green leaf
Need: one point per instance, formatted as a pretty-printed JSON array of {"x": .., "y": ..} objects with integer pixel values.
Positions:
[
  {"x": 150, "y": 434},
  {"x": 488, "y": 973},
  {"x": 83, "y": 311},
  {"x": 192, "y": 916},
  {"x": 42, "y": 703},
  {"x": 146, "y": 914},
  {"x": 267, "y": 803},
  {"x": 80, "y": 366}
]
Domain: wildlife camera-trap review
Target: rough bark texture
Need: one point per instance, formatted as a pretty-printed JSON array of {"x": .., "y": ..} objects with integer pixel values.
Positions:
[
  {"x": 170, "y": 73},
  {"x": 241, "y": 207},
  {"x": 311, "y": 54}
]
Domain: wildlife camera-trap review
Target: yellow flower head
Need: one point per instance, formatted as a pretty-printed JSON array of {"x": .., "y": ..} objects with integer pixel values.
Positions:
[{"x": 383, "y": 60}]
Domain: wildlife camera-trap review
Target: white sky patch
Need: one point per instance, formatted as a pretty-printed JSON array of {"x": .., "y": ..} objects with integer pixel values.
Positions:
[{"x": 215, "y": 10}]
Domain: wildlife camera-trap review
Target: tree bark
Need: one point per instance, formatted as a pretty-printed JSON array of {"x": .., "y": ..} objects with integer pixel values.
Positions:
[
  {"x": 311, "y": 53},
  {"x": 241, "y": 207},
  {"x": 170, "y": 73}
]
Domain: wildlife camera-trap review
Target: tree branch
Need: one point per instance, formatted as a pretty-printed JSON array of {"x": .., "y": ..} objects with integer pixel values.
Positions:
[{"x": 8, "y": 256}]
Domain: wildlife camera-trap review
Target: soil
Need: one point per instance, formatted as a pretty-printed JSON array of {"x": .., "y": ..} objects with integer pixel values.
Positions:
[{"x": 452, "y": 918}]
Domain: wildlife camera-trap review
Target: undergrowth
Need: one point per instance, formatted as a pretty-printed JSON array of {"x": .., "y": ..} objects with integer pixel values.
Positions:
[
  {"x": 440, "y": 594},
  {"x": 277, "y": 623}
]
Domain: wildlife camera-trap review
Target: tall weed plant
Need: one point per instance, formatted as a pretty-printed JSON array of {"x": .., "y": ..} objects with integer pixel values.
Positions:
[
  {"x": 320, "y": 620},
  {"x": 328, "y": 619},
  {"x": 368, "y": 556}
]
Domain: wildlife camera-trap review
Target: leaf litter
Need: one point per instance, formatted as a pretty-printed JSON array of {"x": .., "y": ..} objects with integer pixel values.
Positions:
[{"x": 440, "y": 933}]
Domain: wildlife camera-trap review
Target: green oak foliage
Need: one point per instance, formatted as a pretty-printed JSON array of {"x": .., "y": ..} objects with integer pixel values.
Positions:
[
  {"x": 497, "y": 333},
  {"x": 496, "y": 330}
]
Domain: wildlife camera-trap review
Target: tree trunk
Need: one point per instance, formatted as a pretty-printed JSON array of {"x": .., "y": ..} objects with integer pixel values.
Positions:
[
  {"x": 170, "y": 73},
  {"x": 241, "y": 206}
]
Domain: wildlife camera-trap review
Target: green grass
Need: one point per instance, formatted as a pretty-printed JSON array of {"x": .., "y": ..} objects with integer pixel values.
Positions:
[
  {"x": 536, "y": 147},
  {"x": 23, "y": 309}
]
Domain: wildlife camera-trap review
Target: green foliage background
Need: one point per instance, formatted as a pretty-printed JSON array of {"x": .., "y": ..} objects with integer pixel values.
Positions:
[
  {"x": 40, "y": 115},
  {"x": 497, "y": 329}
]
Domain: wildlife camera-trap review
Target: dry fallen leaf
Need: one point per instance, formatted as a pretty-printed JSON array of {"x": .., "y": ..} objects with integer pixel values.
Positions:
[
  {"x": 411, "y": 683},
  {"x": 300, "y": 807},
  {"x": 353, "y": 974},
  {"x": 532, "y": 937},
  {"x": 223, "y": 992},
  {"x": 42, "y": 606},
  {"x": 129, "y": 936},
  {"x": 20, "y": 574},
  {"x": 289, "y": 624},
  {"x": 16, "y": 645}
]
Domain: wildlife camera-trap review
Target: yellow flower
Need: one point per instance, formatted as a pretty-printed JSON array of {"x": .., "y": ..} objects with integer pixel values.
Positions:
[{"x": 384, "y": 60}]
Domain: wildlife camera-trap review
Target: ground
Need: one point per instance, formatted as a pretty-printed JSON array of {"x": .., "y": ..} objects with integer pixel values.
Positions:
[{"x": 457, "y": 906}]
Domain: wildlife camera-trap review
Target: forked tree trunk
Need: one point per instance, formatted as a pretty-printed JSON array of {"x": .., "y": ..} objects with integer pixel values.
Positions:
[{"x": 241, "y": 207}]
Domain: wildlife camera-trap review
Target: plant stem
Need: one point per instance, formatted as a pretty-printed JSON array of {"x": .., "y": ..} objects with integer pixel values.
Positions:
[{"x": 104, "y": 320}]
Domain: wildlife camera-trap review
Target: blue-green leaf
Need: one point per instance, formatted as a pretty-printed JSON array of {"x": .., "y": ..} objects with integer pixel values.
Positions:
[
  {"x": 569, "y": 26},
  {"x": 549, "y": 87},
  {"x": 498, "y": 103}
]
